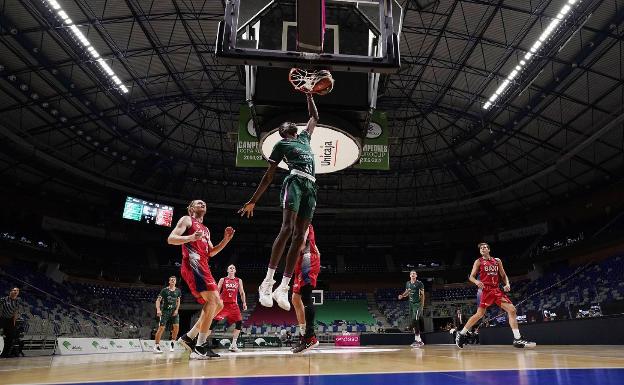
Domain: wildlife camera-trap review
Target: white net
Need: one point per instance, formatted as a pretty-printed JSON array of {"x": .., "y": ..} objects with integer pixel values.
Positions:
[{"x": 305, "y": 81}]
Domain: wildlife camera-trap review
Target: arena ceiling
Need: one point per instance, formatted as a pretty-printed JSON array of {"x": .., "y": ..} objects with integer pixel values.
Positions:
[{"x": 66, "y": 129}]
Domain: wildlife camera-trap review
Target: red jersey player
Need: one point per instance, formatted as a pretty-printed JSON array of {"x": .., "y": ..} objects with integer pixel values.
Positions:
[
  {"x": 229, "y": 287},
  {"x": 306, "y": 272},
  {"x": 490, "y": 271},
  {"x": 197, "y": 249}
]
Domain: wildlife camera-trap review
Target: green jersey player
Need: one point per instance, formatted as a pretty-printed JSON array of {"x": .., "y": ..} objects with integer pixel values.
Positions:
[
  {"x": 415, "y": 290},
  {"x": 298, "y": 201},
  {"x": 167, "y": 307}
]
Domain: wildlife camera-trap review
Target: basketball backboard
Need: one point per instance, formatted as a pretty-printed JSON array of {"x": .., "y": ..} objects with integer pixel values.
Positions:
[{"x": 356, "y": 36}]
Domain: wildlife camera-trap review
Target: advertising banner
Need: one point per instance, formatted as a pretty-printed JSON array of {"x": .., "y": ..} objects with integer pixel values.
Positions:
[
  {"x": 333, "y": 150},
  {"x": 375, "y": 155},
  {"x": 347, "y": 340}
]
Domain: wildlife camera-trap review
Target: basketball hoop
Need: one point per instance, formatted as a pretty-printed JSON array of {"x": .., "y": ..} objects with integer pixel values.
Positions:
[{"x": 311, "y": 82}]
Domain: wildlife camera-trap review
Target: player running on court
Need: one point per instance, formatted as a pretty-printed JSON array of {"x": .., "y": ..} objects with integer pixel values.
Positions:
[
  {"x": 306, "y": 273},
  {"x": 415, "y": 290},
  {"x": 230, "y": 287},
  {"x": 298, "y": 201},
  {"x": 197, "y": 249},
  {"x": 167, "y": 307},
  {"x": 490, "y": 271}
]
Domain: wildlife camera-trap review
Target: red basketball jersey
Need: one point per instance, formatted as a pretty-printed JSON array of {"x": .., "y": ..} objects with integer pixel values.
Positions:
[
  {"x": 199, "y": 250},
  {"x": 229, "y": 290},
  {"x": 488, "y": 272}
]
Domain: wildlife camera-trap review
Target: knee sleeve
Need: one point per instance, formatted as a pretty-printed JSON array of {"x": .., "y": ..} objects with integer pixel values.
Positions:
[
  {"x": 308, "y": 305},
  {"x": 239, "y": 325},
  {"x": 306, "y": 295}
]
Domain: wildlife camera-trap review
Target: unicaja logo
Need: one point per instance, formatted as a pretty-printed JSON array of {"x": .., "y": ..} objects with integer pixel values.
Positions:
[{"x": 329, "y": 150}]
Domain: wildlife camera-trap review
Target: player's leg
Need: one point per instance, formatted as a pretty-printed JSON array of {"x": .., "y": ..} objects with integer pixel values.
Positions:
[
  {"x": 238, "y": 326},
  {"x": 519, "y": 342},
  {"x": 175, "y": 329},
  {"x": 299, "y": 312},
  {"x": 212, "y": 306},
  {"x": 266, "y": 288},
  {"x": 309, "y": 339},
  {"x": 415, "y": 325},
  {"x": 187, "y": 338},
  {"x": 460, "y": 338},
  {"x": 280, "y": 295},
  {"x": 162, "y": 323}
]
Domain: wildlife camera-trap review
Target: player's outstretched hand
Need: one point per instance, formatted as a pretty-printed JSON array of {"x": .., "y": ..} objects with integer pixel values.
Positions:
[
  {"x": 229, "y": 233},
  {"x": 247, "y": 209}
]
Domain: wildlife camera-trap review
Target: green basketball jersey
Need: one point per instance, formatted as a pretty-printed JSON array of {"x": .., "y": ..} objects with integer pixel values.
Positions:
[
  {"x": 414, "y": 294},
  {"x": 297, "y": 153},
  {"x": 169, "y": 299}
]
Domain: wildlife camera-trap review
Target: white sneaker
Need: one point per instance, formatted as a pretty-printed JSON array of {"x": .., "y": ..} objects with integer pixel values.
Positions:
[
  {"x": 157, "y": 349},
  {"x": 280, "y": 295},
  {"x": 171, "y": 347},
  {"x": 234, "y": 348},
  {"x": 265, "y": 290}
]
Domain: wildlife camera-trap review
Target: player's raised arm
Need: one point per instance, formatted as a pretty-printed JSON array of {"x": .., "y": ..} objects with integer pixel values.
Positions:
[
  {"x": 228, "y": 234},
  {"x": 473, "y": 274},
  {"x": 267, "y": 178},
  {"x": 314, "y": 117},
  {"x": 177, "y": 236}
]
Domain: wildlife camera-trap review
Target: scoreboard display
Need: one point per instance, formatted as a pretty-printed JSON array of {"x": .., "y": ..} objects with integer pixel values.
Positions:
[{"x": 141, "y": 210}]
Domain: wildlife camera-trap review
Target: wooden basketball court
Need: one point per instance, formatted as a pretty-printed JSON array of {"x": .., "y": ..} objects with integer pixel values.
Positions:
[{"x": 435, "y": 364}]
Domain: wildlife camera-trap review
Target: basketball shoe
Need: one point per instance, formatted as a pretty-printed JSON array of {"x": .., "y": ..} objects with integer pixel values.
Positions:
[
  {"x": 306, "y": 344},
  {"x": 460, "y": 340},
  {"x": 205, "y": 350},
  {"x": 522, "y": 343},
  {"x": 157, "y": 349},
  {"x": 280, "y": 295},
  {"x": 265, "y": 290},
  {"x": 171, "y": 346},
  {"x": 187, "y": 342}
]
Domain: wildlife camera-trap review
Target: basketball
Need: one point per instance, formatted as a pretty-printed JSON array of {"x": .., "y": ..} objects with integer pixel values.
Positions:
[{"x": 324, "y": 85}]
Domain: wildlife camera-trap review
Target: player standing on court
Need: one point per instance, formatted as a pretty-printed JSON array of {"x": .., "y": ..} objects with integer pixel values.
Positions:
[
  {"x": 167, "y": 307},
  {"x": 298, "y": 201},
  {"x": 229, "y": 287},
  {"x": 415, "y": 290},
  {"x": 490, "y": 271},
  {"x": 306, "y": 273},
  {"x": 197, "y": 249}
]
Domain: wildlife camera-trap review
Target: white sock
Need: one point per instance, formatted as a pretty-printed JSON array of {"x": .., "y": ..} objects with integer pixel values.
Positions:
[
  {"x": 417, "y": 338},
  {"x": 302, "y": 328},
  {"x": 234, "y": 341},
  {"x": 201, "y": 338},
  {"x": 464, "y": 331},
  {"x": 269, "y": 275},
  {"x": 285, "y": 281},
  {"x": 193, "y": 332},
  {"x": 516, "y": 333}
]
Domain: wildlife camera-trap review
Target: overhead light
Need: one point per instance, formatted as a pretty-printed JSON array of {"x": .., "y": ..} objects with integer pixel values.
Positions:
[
  {"x": 87, "y": 45},
  {"x": 545, "y": 35}
]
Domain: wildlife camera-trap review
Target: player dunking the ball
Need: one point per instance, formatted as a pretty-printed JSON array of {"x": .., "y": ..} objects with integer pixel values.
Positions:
[
  {"x": 490, "y": 271},
  {"x": 415, "y": 290},
  {"x": 306, "y": 273},
  {"x": 298, "y": 201},
  {"x": 197, "y": 249}
]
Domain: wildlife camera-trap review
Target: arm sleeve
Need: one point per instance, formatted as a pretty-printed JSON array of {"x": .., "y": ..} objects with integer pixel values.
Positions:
[{"x": 278, "y": 153}]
